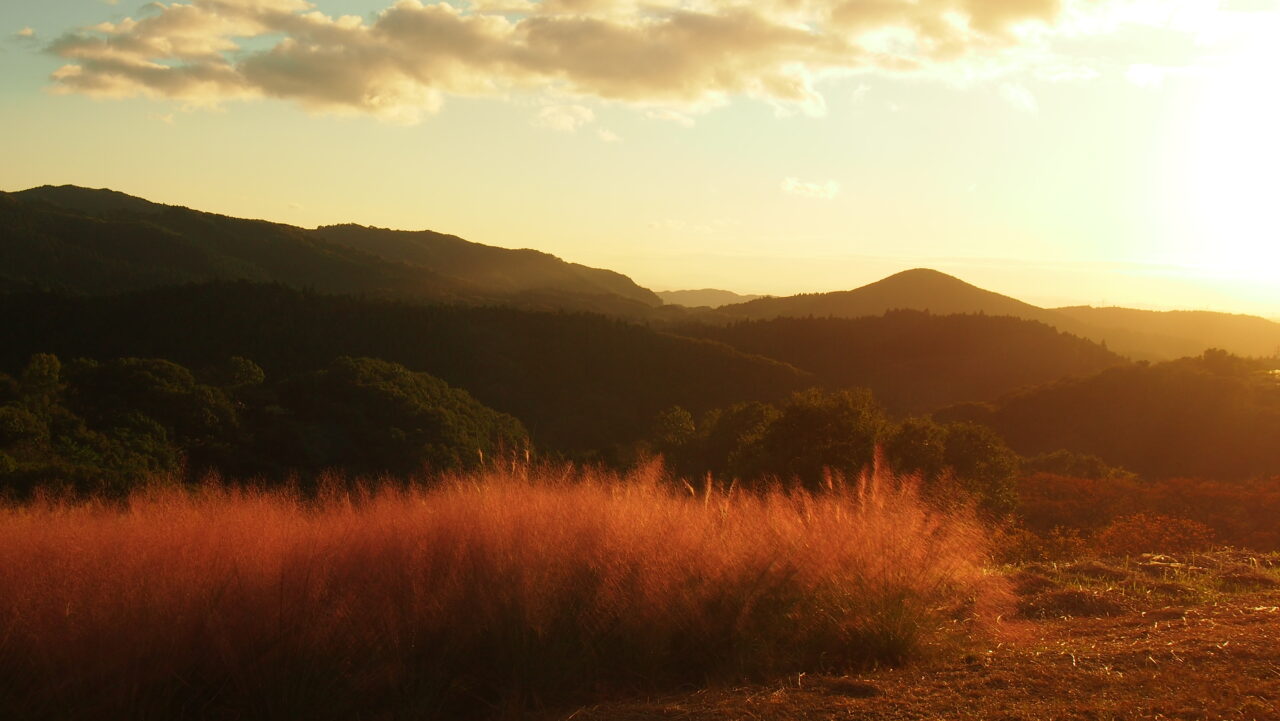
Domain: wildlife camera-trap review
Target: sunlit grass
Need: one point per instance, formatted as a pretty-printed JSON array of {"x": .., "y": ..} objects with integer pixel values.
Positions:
[{"x": 483, "y": 595}]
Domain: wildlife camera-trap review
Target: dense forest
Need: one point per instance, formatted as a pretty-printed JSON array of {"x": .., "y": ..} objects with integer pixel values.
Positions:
[
  {"x": 1215, "y": 416},
  {"x": 583, "y": 385},
  {"x": 103, "y": 427}
]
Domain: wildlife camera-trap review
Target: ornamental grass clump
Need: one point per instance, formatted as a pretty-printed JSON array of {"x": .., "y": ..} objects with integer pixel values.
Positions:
[{"x": 481, "y": 595}]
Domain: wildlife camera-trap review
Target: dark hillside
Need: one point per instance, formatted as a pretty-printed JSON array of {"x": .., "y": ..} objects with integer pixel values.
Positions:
[
  {"x": 1179, "y": 333},
  {"x": 914, "y": 361},
  {"x": 578, "y": 382},
  {"x": 498, "y": 270},
  {"x": 918, "y": 289},
  {"x": 1214, "y": 417},
  {"x": 87, "y": 241}
]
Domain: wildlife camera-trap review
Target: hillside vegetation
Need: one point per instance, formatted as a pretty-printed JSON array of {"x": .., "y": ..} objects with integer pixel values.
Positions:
[
  {"x": 99, "y": 241},
  {"x": 915, "y": 361},
  {"x": 105, "y": 428},
  {"x": 1140, "y": 335},
  {"x": 1216, "y": 416},
  {"x": 581, "y": 384}
]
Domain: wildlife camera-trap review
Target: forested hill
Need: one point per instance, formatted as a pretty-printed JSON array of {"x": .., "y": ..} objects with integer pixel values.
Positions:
[
  {"x": 497, "y": 270},
  {"x": 1140, "y": 335},
  {"x": 578, "y": 382},
  {"x": 915, "y": 361},
  {"x": 706, "y": 297},
  {"x": 87, "y": 241},
  {"x": 1216, "y": 416},
  {"x": 1178, "y": 333},
  {"x": 93, "y": 242},
  {"x": 918, "y": 289}
]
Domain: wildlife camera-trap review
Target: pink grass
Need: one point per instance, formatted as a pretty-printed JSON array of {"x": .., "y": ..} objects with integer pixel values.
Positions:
[{"x": 484, "y": 595}]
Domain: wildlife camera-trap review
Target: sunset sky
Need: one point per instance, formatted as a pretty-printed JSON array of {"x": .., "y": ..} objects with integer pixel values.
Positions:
[{"x": 1061, "y": 151}]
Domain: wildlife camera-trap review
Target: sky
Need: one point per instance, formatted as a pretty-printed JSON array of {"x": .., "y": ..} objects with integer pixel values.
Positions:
[{"x": 1102, "y": 152}]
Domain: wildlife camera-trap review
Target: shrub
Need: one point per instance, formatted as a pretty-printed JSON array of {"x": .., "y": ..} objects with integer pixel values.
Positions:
[
  {"x": 1150, "y": 533},
  {"x": 489, "y": 592}
]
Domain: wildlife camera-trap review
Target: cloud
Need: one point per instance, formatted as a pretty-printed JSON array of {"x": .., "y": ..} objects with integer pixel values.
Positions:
[
  {"x": 401, "y": 64},
  {"x": 608, "y": 136},
  {"x": 1019, "y": 97},
  {"x": 564, "y": 118},
  {"x": 821, "y": 191},
  {"x": 26, "y": 33}
]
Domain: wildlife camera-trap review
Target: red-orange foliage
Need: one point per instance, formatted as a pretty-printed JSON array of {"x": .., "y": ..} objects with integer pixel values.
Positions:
[
  {"x": 489, "y": 592},
  {"x": 1148, "y": 533},
  {"x": 1240, "y": 513},
  {"x": 1048, "y": 500}
]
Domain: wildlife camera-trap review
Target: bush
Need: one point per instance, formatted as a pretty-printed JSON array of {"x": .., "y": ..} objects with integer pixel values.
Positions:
[
  {"x": 1151, "y": 533},
  {"x": 488, "y": 593}
]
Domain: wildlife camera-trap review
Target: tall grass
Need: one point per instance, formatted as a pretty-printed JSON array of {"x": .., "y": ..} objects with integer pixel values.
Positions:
[{"x": 484, "y": 595}]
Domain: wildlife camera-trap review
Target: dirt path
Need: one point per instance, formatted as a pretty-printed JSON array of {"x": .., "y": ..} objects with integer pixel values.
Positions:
[{"x": 1213, "y": 661}]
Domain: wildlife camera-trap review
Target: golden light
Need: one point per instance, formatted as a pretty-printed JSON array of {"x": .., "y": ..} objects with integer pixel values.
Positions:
[{"x": 1234, "y": 172}]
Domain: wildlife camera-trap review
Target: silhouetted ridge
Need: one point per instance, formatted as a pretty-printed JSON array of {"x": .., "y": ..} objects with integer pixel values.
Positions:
[
  {"x": 94, "y": 201},
  {"x": 704, "y": 297},
  {"x": 917, "y": 289},
  {"x": 101, "y": 241}
]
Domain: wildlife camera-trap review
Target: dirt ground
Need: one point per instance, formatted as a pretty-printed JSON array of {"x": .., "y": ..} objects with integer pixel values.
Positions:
[{"x": 1213, "y": 659}]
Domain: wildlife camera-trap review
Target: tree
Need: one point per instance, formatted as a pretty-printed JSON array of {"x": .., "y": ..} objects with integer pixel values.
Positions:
[
  {"x": 373, "y": 416},
  {"x": 983, "y": 465},
  {"x": 819, "y": 430},
  {"x": 917, "y": 446}
]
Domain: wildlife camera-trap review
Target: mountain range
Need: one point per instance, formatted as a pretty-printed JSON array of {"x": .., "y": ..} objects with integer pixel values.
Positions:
[
  {"x": 86, "y": 241},
  {"x": 1138, "y": 334},
  {"x": 704, "y": 298},
  {"x": 101, "y": 241}
]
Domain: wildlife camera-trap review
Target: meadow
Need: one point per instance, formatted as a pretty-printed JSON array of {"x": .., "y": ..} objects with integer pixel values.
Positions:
[{"x": 486, "y": 594}]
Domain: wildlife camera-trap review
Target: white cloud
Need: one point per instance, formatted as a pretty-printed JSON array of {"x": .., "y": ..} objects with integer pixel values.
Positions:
[
  {"x": 822, "y": 191},
  {"x": 1019, "y": 97},
  {"x": 608, "y": 136},
  {"x": 669, "y": 57},
  {"x": 564, "y": 118},
  {"x": 26, "y": 33}
]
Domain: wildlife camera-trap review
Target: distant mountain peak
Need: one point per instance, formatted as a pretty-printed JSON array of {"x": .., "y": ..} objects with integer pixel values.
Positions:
[
  {"x": 921, "y": 289},
  {"x": 923, "y": 273},
  {"x": 704, "y": 297},
  {"x": 95, "y": 201}
]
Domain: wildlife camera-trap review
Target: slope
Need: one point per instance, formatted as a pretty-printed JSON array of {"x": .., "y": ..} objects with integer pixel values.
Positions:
[
  {"x": 705, "y": 297},
  {"x": 1181, "y": 332},
  {"x": 915, "y": 361},
  {"x": 1214, "y": 417},
  {"x": 99, "y": 241},
  {"x": 917, "y": 289},
  {"x": 580, "y": 383}
]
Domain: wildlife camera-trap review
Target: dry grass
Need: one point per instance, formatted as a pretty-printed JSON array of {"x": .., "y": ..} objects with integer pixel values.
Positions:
[{"x": 483, "y": 596}]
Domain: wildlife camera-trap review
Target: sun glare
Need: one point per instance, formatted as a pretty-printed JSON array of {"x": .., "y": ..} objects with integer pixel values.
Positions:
[{"x": 1235, "y": 158}]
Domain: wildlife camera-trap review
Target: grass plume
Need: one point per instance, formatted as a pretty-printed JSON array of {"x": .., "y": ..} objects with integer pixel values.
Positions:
[{"x": 482, "y": 595}]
